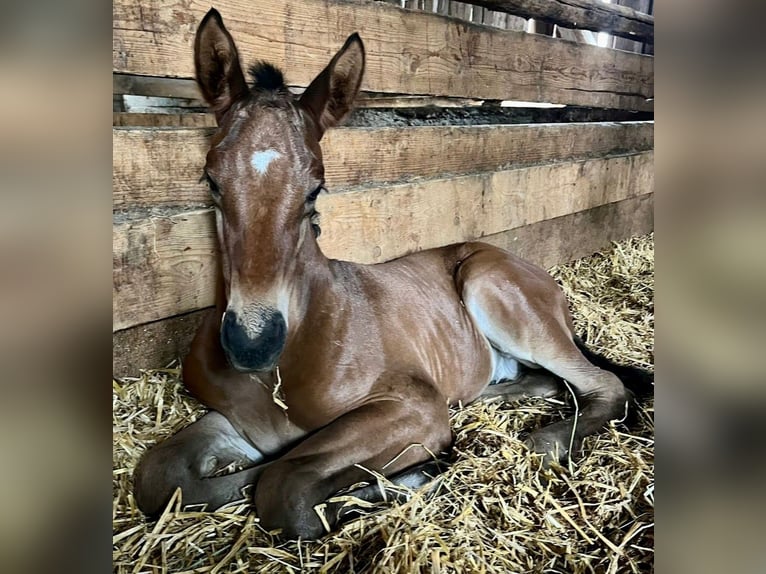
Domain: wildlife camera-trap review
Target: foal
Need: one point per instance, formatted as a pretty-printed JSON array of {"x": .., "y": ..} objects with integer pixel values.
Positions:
[{"x": 367, "y": 357}]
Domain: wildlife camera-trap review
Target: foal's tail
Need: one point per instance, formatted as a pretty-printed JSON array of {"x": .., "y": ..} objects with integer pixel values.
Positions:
[{"x": 638, "y": 381}]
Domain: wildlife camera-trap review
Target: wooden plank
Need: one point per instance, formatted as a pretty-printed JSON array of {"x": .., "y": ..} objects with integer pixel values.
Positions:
[
  {"x": 185, "y": 93},
  {"x": 562, "y": 239},
  {"x": 460, "y": 10},
  {"x": 583, "y": 36},
  {"x": 516, "y": 23},
  {"x": 442, "y": 6},
  {"x": 586, "y": 14},
  {"x": 630, "y": 45},
  {"x": 162, "y": 105},
  {"x": 496, "y": 19},
  {"x": 504, "y": 21},
  {"x": 546, "y": 243},
  {"x": 164, "y": 266},
  {"x": 127, "y": 119},
  {"x": 154, "y": 345},
  {"x": 408, "y": 52},
  {"x": 154, "y": 167},
  {"x": 158, "y": 87},
  {"x": 392, "y": 221}
]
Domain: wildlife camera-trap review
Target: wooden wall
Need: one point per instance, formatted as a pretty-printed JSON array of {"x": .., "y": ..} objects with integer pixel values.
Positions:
[{"x": 550, "y": 192}]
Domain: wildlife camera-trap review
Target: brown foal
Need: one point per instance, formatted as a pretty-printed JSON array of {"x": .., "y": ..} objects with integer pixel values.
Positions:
[{"x": 367, "y": 358}]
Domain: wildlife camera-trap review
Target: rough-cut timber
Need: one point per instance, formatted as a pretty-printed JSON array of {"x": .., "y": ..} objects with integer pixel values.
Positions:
[
  {"x": 162, "y": 266},
  {"x": 154, "y": 345},
  {"x": 154, "y": 167},
  {"x": 187, "y": 89},
  {"x": 153, "y": 86},
  {"x": 192, "y": 120},
  {"x": 629, "y": 45},
  {"x": 569, "y": 237},
  {"x": 408, "y": 52},
  {"x": 165, "y": 266},
  {"x": 584, "y": 14},
  {"x": 388, "y": 222},
  {"x": 546, "y": 243}
]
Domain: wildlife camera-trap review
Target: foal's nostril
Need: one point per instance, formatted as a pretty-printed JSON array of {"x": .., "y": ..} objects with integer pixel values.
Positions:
[
  {"x": 248, "y": 351},
  {"x": 230, "y": 328}
]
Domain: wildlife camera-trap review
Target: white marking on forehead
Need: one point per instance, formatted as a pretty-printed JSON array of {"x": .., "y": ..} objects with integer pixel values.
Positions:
[{"x": 261, "y": 159}]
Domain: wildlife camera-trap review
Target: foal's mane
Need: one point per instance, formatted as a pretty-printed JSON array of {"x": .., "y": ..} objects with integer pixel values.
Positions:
[{"x": 266, "y": 78}]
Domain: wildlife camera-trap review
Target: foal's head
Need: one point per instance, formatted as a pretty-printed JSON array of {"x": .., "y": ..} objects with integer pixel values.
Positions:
[{"x": 264, "y": 169}]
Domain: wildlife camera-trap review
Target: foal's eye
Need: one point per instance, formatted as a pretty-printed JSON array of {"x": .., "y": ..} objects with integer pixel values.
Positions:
[
  {"x": 212, "y": 185},
  {"x": 311, "y": 197}
]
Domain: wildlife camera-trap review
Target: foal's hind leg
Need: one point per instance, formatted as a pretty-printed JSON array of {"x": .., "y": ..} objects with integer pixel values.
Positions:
[
  {"x": 190, "y": 460},
  {"x": 530, "y": 383},
  {"x": 523, "y": 313}
]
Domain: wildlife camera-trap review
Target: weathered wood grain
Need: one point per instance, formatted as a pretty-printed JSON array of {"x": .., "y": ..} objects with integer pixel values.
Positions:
[
  {"x": 546, "y": 243},
  {"x": 585, "y": 14},
  {"x": 408, "y": 52},
  {"x": 391, "y": 221},
  {"x": 164, "y": 266},
  {"x": 630, "y": 45},
  {"x": 188, "y": 92},
  {"x": 192, "y": 120},
  {"x": 154, "y": 345},
  {"x": 154, "y": 167}
]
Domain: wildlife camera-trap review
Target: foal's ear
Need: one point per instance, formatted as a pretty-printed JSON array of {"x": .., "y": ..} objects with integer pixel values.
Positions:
[
  {"x": 330, "y": 97},
  {"x": 216, "y": 61}
]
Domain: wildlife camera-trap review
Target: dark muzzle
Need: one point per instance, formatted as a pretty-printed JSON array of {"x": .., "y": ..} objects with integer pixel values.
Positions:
[{"x": 248, "y": 352}]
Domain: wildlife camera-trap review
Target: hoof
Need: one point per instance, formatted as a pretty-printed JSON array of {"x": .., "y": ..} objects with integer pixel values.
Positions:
[{"x": 554, "y": 444}]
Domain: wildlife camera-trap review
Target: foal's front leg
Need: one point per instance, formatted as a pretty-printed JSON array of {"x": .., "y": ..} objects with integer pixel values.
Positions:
[
  {"x": 375, "y": 436},
  {"x": 190, "y": 460}
]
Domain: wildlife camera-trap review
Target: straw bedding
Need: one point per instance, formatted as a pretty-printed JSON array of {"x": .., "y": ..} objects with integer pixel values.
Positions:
[{"x": 491, "y": 511}]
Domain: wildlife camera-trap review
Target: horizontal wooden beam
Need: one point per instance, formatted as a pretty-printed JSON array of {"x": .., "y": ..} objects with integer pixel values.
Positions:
[
  {"x": 154, "y": 345},
  {"x": 630, "y": 44},
  {"x": 162, "y": 167},
  {"x": 584, "y": 14},
  {"x": 131, "y": 84},
  {"x": 388, "y": 222},
  {"x": 546, "y": 243},
  {"x": 164, "y": 266},
  {"x": 407, "y": 52},
  {"x": 183, "y": 89},
  {"x": 174, "y": 120}
]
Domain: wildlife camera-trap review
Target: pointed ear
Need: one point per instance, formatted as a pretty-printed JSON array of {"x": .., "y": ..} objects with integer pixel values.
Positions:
[
  {"x": 330, "y": 97},
  {"x": 216, "y": 61}
]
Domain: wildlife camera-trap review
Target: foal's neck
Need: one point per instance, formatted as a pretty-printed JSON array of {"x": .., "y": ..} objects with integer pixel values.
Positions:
[{"x": 312, "y": 280}]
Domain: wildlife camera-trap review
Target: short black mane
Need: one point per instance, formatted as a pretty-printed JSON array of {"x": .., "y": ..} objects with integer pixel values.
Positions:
[{"x": 267, "y": 77}]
